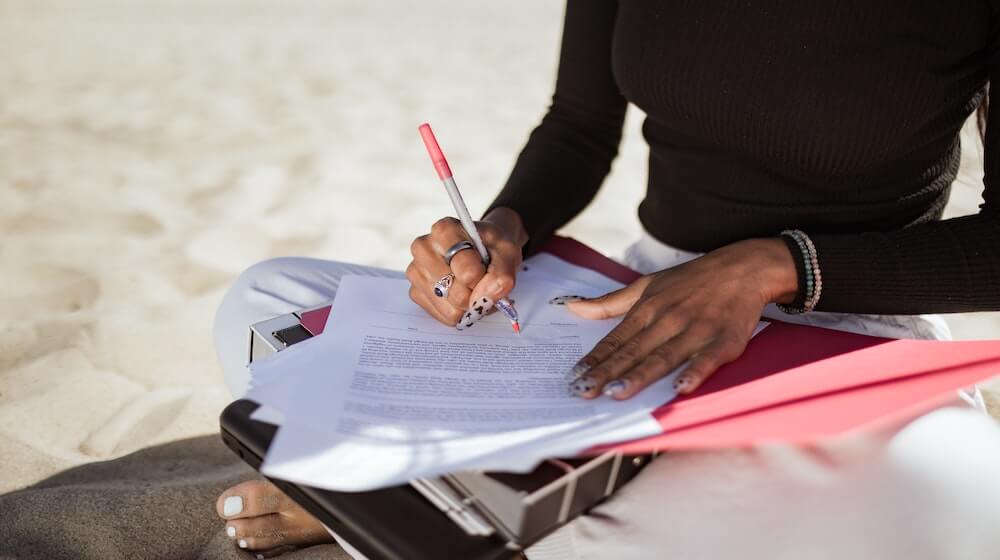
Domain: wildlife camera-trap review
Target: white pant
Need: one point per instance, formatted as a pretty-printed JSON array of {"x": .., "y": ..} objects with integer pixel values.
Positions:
[{"x": 927, "y": 489}]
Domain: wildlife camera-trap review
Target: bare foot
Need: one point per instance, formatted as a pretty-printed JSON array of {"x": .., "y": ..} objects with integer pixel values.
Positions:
[{"x": 261, "y": 517}]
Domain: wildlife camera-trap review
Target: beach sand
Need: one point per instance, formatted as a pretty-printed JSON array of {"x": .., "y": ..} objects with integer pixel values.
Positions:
[{"x": 151, "y": 151}]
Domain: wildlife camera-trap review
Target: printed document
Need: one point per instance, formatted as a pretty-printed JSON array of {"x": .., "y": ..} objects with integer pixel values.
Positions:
[{"x": 387, "y": 393}]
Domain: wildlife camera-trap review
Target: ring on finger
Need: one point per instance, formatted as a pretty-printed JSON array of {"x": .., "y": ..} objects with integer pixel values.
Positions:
[
  {"x": 444, "y": 284},
  {"x": 456, "y": 249}
]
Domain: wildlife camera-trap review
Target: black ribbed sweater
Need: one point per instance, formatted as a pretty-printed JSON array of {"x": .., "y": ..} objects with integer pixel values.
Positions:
[{"x": 837, "y": 118}]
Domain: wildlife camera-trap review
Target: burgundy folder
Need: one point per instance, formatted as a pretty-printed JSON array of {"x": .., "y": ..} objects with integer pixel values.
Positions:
[{"x": 795, "y": 383}]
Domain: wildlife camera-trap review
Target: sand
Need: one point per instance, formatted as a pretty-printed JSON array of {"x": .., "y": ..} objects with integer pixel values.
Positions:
[{"x": 151, "y": 151}]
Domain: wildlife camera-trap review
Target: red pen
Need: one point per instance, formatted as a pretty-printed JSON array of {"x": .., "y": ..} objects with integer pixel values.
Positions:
[{"x": 444, "y": 172}]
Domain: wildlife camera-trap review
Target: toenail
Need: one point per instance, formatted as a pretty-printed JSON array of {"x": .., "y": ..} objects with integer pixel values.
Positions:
[
  {"x": 231, "y": 531},
  {"x": 232, "y": 506},
  {"x": 260, "y": 557},
  {"x": 243, "y": 543}
]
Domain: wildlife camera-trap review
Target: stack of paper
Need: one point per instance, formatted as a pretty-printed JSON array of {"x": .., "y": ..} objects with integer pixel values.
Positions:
[{"x": 387, "y": 394}]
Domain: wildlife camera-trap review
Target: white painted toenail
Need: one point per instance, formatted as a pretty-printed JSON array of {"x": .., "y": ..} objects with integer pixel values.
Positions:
[
  {"x": 231, "y": 531},
  {"x": 243, "y": 543},
  {"x": 260, "y": 557},
  {"x": 232, "y": 506}
]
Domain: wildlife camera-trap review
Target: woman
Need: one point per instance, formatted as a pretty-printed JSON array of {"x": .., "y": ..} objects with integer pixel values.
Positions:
[{"x": 800, "y": 154}]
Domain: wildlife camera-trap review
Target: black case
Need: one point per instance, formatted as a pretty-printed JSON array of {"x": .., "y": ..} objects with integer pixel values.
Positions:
[{"x": 395, "y": 523}]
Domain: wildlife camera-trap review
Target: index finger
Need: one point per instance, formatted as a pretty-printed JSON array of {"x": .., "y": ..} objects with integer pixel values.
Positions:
[{"x": 630, "y": 326}]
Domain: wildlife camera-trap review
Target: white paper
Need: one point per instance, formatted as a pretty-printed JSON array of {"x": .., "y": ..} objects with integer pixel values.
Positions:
[{"x": 388, "y": 394}]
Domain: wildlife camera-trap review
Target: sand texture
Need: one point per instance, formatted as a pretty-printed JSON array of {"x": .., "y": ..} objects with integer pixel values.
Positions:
[
  {"x": 146, "y": 505},
  {"x": 150, "y": 151}
]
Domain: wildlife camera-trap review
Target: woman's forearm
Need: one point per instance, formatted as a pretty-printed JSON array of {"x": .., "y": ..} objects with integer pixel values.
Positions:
[{"x": 947, "y": 266}]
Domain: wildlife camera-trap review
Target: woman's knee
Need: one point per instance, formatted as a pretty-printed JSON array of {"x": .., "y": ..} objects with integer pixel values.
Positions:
[
  {"x": 242, "y": 305},
  {"x": 264, "y": 272}
]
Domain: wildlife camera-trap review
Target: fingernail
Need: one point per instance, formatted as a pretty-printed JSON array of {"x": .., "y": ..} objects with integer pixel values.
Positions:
[
  {"x": 563, "y": 300},
  {"x": 465, "y": 322},
  {"x": 260, "y": 557},
  {"x": 682, "y": 383},
  {"x": 477, "y": 310},
  {"x": 582, "y": 386},
  {"x": 231, "y": 531},
  {"x": 232, "y": 506},
  {"x": 480, "y": 307},
  {"x": 579, "y": 369},
  {"x": 243, "y": 543},
  {"x": 615, "y": 387}
]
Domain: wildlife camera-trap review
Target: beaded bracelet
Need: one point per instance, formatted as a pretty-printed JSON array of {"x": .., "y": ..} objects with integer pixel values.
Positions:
[{"x": 811, "y": 282}]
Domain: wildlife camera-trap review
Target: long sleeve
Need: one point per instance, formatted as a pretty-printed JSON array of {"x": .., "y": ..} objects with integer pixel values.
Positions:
[
  {"x": 569, "y": 154},
  {"x": 937, "y": 267}
]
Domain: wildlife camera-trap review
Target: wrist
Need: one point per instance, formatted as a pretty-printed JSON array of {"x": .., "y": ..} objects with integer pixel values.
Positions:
[
  {"x": 772, "y": 265},
  {"x": 509, "y": 222}
]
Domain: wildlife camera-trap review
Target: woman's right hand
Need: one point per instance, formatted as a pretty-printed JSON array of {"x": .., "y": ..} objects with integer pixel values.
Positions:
[{"x": 476, "y": 288}]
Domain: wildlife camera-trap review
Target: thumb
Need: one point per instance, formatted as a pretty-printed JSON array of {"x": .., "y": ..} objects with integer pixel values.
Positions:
[{"x": 611, "y": 304}]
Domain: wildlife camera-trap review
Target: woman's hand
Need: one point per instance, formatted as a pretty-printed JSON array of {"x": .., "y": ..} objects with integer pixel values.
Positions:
[
  {"x": 701, "y": 312},
  {"x": 475, "y": 288}
]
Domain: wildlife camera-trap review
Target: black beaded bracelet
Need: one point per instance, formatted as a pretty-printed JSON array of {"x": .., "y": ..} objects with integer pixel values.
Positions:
[{"x": 807, "y": 267}]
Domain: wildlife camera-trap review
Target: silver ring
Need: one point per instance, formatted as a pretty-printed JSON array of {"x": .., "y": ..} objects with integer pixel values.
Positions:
[
  {"x": 455, "y": 249},
  {"x": 444, "y": 284}
]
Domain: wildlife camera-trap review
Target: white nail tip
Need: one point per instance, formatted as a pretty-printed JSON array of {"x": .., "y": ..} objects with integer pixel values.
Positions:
[
  {"x": 243, "y": 543},
  {"x": 260, "y": 557},
  {"x": 615, "y": 387},
  {"x": 231, "y": 531},
  {"x": 232, "y": 506}
]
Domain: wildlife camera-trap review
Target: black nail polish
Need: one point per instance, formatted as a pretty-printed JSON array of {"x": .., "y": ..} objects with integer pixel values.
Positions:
[
  {"x": 582, "y": 385},
  {"x": 563, "y": 300},
  {"x": 576, "y": 371},
  {"x": 682, "y": 383}
]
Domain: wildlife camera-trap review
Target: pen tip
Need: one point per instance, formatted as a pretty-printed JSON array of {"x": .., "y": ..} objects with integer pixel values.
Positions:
[{"x": 517, "y": 327}]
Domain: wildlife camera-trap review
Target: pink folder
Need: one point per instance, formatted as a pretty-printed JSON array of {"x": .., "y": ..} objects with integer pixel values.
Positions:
[{"x": 801, "y": 384}]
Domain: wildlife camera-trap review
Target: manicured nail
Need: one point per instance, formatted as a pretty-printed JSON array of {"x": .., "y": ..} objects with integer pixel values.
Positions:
[
  {"x": 615, "y": 387},
  {"x": 579, "y": 369},
  {"x": 243, "y": 543},
  {"x": 480, "y": 307},
  {"x": 563, "y": 300},
  {"x": 465, "y": 322},
  {"x": 582, "y": 386},
  {"x": 477, "y": 310},
  {"x": 682, "y": 383},
  {"x": 260, "y": 557},
  {"x": 231, "y": 531},
  {"x": 232, "y": 506}
]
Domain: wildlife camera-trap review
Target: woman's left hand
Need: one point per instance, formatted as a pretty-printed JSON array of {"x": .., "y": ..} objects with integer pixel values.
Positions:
[{"x": 702, "y": 312}]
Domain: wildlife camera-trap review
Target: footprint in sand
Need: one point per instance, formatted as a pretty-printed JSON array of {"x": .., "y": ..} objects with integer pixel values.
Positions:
[
  {"x": 71, "y": 220},
  {"x": 135, "y": 424},
  {"x": 23, "y": 342},
  {"x": 191, "y": 278},
  {"x": 39, "y": 289},
  {"x": 258, "y": 190}
]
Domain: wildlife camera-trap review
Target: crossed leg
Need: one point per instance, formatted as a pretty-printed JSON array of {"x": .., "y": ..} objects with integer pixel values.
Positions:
[{"x": 258, "y": 515}]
